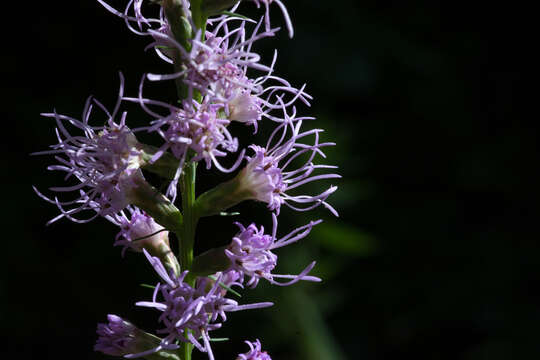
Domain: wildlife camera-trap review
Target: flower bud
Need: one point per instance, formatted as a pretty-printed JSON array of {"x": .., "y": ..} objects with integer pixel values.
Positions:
[{"x": 142, "y": 232}]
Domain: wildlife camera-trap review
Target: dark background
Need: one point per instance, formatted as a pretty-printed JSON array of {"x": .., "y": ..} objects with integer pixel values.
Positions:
[{"x": 435, "y": 254}]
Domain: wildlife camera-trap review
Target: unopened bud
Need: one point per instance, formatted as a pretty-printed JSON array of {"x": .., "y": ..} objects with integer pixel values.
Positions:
[{"x": 142, "y": 232}]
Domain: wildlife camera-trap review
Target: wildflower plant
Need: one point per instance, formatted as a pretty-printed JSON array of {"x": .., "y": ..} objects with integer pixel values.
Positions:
[{"x": 219, "y": 79}]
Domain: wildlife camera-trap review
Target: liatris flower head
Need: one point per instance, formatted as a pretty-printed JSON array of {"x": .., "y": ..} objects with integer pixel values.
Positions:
[
  {"x": 198, "y": 130},
  {"x": 203, "y": 130},
  {"x": 217, "y": 68},
  {"x": 139, "y": 231},
  {"x": 274, "y": 171},
  {"x": 119, "y": 337},
  {"x": 250, "y": 253},
  {"x": 216, "y": 63},
  {"x": 105, "y": 160},
  {"x": 200, "y": 309},
  {"x": 268, "y": 175},
  {"x": 255, "y": 352}
]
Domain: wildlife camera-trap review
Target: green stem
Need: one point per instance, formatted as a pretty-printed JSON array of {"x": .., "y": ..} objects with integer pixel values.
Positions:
[
  {"x": 187, "y": 183},
  {"x": 187, "y": 235}
]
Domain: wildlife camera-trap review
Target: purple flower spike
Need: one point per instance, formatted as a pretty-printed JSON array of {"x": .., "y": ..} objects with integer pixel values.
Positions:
[
  {"x": 255, "y": 352},
  {"x": 104, "y": 160},
  {"x": 269, "y": 177},
  {"x": 251, "y": 254},
  {"x": 199, "y": 309}
]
